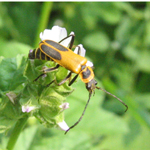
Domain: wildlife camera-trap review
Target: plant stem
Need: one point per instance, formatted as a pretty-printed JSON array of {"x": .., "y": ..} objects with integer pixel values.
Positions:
[
  {"x": 16, "y": 132},
  {"x": 43, "y": 21}
]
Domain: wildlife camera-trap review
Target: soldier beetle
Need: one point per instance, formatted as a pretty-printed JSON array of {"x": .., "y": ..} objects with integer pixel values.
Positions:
[{"x": 75, "y": 63}]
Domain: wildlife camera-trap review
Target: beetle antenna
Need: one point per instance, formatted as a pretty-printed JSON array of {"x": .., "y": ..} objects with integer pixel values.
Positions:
[
  {"x": 82, "y": 113},
  {"x": 114, "y": 97}
]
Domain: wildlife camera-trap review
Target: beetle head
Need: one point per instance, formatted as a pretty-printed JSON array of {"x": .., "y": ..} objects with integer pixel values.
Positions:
[{"x": 90, "y": 86}]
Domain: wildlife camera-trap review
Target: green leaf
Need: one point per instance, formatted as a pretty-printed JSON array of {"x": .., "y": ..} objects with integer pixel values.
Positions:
[
  {"x": 143, "y": 61},
  {"x": 97, "y": 41},
  {"x": 96, "y": 120},
  {"x": 143, "y": 99},
  {"x": 101, "y": 11},
  {"x": 71, "y": 141},
  {"x": 11, "y": 73},
  {"x": 132, "y": 140},
  {"x": 26, "y": 138},
  {"x": 123, "y": 30},
  {"x": 13, "y": 48},
  {"x": 110, "y": 13},
  {"x": 9, "y": 114}
]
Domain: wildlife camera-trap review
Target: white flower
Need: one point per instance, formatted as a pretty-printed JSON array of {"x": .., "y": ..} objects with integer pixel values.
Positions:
[
  {"x": 56, "y": 34},
  {"x": 63, "y": 125},
  {"x": 27, "y": 108}
]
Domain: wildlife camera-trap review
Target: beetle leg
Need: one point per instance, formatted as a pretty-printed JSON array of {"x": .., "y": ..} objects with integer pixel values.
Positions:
[
  {"x": 71, "y": 42},
  {"x": 39, "y": 77},
  {"x": 46, "y": 71},
  {"x": 50, "y": 83},
  {"x": 64, "y": 80},
  {"x": 68, "y": 77},
  {"x": 72, "y": 81},
  {"x": 50, "y": 69},
  {"x": 80, "y": 50}
]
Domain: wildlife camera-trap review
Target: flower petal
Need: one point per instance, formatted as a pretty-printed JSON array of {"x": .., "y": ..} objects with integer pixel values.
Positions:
[
  {"x": 28, "y": 108},
  {"x": 67, "y": 41},
  {"x": 56, "y": 34},
  {"x": 82, "y": 50},
  {"x": 63, "y": 125},
  {"x": 64, "y": 106},
  {"x": 89, "y": 63}
]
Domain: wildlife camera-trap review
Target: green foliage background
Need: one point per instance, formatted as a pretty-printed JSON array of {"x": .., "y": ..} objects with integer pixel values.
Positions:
[{"x": 116, "y": 36}]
